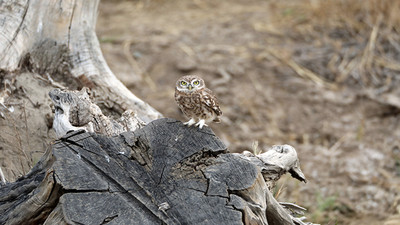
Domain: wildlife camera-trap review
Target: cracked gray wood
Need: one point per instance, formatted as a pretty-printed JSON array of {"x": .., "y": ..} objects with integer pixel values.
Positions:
[{"x": 164, "y": 172}]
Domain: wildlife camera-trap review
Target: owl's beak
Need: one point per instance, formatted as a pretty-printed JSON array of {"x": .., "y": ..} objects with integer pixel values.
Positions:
[{"x": 190, "y": 87}]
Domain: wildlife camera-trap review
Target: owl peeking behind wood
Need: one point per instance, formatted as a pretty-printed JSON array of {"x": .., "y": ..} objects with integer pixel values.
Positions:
[{"x": 196, "y": 101}]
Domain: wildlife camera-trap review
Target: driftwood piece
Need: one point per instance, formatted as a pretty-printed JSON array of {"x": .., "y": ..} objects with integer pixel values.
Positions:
[{"x": 164, "y": 172}]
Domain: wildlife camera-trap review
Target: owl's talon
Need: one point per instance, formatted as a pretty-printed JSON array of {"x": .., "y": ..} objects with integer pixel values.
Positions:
[
  {"x": 190, "y": 122},
  {"x": 201, "y": 123}
]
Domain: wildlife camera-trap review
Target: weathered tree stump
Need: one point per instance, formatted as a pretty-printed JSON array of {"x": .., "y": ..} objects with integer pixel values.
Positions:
[
  {"x": 54, "y": 43},
  {"x": 57, "y": 40},
  {"x": 163, "y": 173}
]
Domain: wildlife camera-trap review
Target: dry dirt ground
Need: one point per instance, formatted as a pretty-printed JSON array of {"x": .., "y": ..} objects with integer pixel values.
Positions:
[
  {"x": 320, "y": 75},
  {"x": 279, "y": 77}
]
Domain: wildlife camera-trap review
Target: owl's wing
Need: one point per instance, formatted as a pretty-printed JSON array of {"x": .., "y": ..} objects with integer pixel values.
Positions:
[{"x": 211, "y": 101}]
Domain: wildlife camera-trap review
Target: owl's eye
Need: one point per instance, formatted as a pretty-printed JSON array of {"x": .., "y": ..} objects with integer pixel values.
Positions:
[
  {"x": 183, "y": 83},
  {"x": 196, "y": 82}
]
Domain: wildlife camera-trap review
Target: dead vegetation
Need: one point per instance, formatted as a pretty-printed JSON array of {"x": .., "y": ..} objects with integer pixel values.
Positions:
[{"x": 345, "y": 42}]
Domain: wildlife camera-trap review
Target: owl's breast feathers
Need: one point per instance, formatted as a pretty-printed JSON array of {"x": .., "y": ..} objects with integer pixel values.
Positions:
[
  {"x": 211, "y": 101},
  {"x": 197, "y": 103}
]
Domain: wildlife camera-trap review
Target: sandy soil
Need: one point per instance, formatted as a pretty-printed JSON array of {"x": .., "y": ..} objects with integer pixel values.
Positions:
[
  {"x": 26, "y": 127},
  {"x": 277, "y": 69},
  {"x": 347, "y": 143}
]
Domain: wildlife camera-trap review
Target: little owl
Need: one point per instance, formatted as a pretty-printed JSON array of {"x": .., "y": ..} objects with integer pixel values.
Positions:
[{"x": 196, "y": 101}]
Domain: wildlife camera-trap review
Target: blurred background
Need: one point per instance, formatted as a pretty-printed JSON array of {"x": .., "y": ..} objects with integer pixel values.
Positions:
[{"x": 320, "y": 75}]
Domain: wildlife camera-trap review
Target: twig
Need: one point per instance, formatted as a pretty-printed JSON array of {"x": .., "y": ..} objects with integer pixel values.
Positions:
[
  {"x": 294, "y": 209},
  {"x": 127, "y": 52},
  {"x": 254, "y": 147},
  {"x": 186, "y": 49},
  {"x": 279, "y": 190},
  {"x": 21, "y": 149},
  {"x": 381, "y": 61},
  {"x": 3, "y": 178},
  {"x": 368, "y": 55},
  {"x": 50, "y": 80},
  {"x": 226, "y": 77},
  {"x": 26, "y": 124},
  {"x": 302, "y": 71},
  {"x": 347, "y": 69},
  {"x": 135, "y": 66},
  {"x": 257, "y": 85},
  {"x": 338, "y": 143}
]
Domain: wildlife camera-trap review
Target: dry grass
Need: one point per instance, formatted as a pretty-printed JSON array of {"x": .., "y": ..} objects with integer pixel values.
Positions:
[
  {"x": 284, "y": 48},
  {"x": 352, "y": 42}
]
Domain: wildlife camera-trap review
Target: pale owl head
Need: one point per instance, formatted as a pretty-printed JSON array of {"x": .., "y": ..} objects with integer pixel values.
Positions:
[{"x": 190, "y": 83}]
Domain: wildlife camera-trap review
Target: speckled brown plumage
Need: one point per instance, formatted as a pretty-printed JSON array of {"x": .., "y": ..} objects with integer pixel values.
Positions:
[{"x": 196, "y": 101}]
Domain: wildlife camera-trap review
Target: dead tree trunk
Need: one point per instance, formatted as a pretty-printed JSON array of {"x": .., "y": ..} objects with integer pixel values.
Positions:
[
  {"x": 57, "y": 40},
  {"x": 45, "y": 45}
]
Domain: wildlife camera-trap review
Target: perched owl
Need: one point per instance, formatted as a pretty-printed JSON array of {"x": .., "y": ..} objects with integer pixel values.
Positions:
[{"x": 196, "y": 101}]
